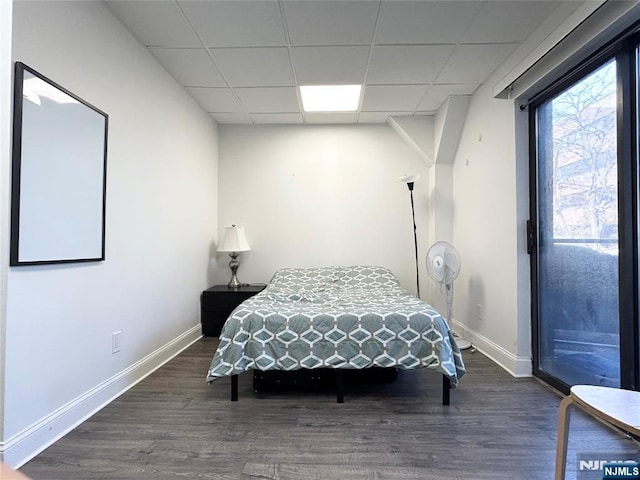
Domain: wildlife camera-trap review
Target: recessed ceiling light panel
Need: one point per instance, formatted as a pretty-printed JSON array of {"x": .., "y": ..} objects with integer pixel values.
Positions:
[{"x": 330, "y": 98}]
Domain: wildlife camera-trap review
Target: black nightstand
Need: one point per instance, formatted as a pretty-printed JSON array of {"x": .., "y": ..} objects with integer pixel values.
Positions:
[{"x": 217, "y": 303}]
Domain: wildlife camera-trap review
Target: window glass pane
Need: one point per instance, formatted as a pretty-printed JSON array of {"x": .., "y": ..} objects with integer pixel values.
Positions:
[{"x": 578, "y": 232}]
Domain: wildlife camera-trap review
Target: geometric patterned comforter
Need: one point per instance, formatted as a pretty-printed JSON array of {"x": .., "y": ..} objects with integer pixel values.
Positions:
[{"x": 335, "y": 317}]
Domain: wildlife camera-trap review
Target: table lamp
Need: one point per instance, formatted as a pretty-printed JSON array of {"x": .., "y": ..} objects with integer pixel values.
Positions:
[{"x": 234, "y": 242}]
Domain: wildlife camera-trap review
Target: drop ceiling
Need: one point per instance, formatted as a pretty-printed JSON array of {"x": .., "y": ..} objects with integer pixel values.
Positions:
[{"x": 242, "y": 60}]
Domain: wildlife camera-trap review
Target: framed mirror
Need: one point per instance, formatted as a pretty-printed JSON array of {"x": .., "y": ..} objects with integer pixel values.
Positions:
[{"x": 58, "y": 187}]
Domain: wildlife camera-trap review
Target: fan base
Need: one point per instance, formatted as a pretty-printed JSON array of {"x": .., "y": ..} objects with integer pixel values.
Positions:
[{"x": 462, "y": 343}]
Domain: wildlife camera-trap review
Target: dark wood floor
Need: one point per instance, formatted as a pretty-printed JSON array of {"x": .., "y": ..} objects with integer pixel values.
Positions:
[{"x": 173, "y": 425}]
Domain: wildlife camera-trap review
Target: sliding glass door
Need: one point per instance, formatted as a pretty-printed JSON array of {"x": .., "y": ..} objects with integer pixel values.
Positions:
[{"x": 583, "y": 227}]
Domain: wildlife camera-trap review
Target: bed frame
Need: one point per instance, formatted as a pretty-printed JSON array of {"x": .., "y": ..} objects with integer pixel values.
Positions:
[{"x": 446, "y": 388}]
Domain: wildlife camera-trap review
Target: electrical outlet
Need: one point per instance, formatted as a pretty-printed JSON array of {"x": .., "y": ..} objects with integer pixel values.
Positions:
[
  {"x": 116, "y": 338},
  {"x": 479, "y": 312}
]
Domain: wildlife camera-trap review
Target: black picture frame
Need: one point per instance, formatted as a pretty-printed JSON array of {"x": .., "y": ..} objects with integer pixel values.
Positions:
[{"x": 59, "y": 174}]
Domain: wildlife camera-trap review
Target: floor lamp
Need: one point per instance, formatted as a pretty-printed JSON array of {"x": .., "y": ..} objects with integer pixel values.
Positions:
[{"x": 410, "y": 180}]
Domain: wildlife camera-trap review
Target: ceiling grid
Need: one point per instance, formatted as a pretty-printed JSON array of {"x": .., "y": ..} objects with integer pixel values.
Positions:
[{"x": 242, "y": 61}]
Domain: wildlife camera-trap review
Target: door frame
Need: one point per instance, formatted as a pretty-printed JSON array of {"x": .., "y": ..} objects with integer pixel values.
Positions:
[{"x": 624, "y": 51}]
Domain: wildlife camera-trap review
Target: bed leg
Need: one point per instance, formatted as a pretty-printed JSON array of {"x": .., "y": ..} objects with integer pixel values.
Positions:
[
  {"x": 234, "y": 388},
  {"x": 339, "y": 386},
  {"x": 446, "y": 390}
]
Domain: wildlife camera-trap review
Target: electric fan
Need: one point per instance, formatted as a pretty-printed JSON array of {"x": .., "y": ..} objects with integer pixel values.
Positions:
[{"x": 443, "y": 266}]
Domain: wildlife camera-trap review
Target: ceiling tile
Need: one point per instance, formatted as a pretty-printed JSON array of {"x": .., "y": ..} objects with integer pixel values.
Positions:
[
  {"x": 330, "y": 22},
  {"x": 189, "y": 66},
  {"x": 407, "y": 64},
  {"x": 228, "y": 23},
  {"x": 155, "y": 23},
  {"x": 332, "y": 117},
  {"x": 254, "y": 67},
  {"x": 412, "y": 22},
  {"x": 216, "y": 99},
  {"x": 227, "y": 118},
  {"x": 436, "y": 94},
  {"x": 508, "y": 21},
  {"x": 269, "y": 99},
  {"x": 379, "y": 117},
  {"x": 474, "y": 63},
  {"x": 383, "y": 98},
  {"x": 277, "y": 118},
  {"x": 330, "y": 65}
]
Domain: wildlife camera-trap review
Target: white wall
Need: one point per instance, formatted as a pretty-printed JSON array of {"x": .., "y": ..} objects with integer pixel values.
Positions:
[
  {"x": 484, "y": 228},
  {"x": 321, "y": 195},
  {"x": 489, "y": 209},
  {"x": 161, "y": 221},
  {"x": 5, "y": 156},
  {"x": 440, "y": 224}
]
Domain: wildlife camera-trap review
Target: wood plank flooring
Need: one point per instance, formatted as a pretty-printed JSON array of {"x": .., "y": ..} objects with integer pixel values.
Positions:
[{"x": 172, "y": 425}]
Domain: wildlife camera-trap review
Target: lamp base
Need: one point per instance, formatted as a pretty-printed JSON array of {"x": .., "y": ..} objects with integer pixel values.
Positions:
[{"x": 233, "y": 265}]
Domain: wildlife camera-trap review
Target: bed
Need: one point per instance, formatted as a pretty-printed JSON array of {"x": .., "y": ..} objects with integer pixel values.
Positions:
[{"x": 339, "y": 318}]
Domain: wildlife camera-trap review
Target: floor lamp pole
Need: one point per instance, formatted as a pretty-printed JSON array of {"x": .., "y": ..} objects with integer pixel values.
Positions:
[{"x": 415, "y": 236}]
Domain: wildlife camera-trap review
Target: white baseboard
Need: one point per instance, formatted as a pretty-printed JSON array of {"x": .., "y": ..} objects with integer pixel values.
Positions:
[
  {"x": 22, "y": 447},
  {"x": 517, "y": 366}
]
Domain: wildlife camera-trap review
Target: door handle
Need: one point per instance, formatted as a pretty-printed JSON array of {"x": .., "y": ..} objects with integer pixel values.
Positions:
[{"x": 531, "y": 237}]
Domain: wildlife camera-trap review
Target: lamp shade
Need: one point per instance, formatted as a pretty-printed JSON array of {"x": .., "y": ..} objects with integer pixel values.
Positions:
[
  {"x": 414, "y": 177},
  {"x": 234, "y": 240}
]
